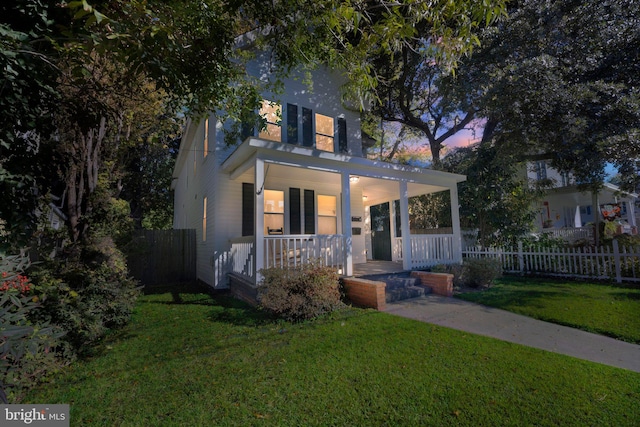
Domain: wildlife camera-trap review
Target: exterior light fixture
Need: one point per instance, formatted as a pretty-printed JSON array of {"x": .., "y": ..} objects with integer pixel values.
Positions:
[{"x": 354, "y": 179}]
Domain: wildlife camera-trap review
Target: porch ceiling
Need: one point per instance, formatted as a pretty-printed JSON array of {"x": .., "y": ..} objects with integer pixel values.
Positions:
[{"x": 384, "y": 176}]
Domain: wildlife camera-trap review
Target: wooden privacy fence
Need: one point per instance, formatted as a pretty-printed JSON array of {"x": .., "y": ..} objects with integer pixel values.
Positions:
[
  {"x": 611, "y": 263},
  {"x": 160, "y": 257}
]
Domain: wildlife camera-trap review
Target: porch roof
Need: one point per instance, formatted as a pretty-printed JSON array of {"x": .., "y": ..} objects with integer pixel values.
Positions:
[{"x": 251, "y": 149}]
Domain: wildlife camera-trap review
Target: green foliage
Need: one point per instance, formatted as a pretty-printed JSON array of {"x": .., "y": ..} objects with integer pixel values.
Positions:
[
  {"x": 474, "y": 272},
  {"x": 110, "y": 217},
  {"x": 481, "y": 272},
  {"x": 495, "y": 198},
  {"x": 27, "y": 349},
  {"x": 299, "y": 293},
  {"x": 430, "y": 211},
  {"x": 87, "y": 291},
  {"x": 559, "y": 81},
  {"x": 543, "y": 240}
]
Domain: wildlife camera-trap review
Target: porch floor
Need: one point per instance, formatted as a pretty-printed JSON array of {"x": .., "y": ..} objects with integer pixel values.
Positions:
[{"x": 377, "y": 267}]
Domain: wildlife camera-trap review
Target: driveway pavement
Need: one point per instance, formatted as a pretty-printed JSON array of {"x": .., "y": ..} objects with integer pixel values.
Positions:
[{"x": 507, "y": 326}]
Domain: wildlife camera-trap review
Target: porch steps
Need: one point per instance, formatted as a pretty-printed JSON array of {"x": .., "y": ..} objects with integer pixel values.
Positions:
[{"x": 400, "y": 286}]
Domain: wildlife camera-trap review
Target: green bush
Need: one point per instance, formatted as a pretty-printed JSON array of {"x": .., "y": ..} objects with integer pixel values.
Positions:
[
  {"x": 474, "y": 272},
  {"x": 299, "y": 293},
  {"x": 480, "y": 272},
  {"x": 87, "y": 291},
  {"x": 27, "y": 349}
]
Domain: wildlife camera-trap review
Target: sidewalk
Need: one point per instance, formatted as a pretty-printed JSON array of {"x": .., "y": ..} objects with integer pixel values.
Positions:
[{"x": 507, "y": 326}]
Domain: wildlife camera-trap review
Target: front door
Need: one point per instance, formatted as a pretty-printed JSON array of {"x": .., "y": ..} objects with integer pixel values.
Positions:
[{"x": 381, "y": 232}]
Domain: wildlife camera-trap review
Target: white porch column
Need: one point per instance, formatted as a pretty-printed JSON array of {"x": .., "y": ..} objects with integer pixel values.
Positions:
[
  {"x": 346, "y": 223},
  {"x": 631, "y": 212},
  {"x": 455, "y": 224},
  {"x": 258, "y": 232},
  {"x": 577, "y": 218},
  {"x": 404, "y": 226}
]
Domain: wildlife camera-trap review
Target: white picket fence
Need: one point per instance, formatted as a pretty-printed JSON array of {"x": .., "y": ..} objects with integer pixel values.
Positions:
[{"x": 604, "y": 263}]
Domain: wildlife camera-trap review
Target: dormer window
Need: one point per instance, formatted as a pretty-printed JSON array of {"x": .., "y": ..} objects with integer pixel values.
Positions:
[{"x": 271, "y": 112}]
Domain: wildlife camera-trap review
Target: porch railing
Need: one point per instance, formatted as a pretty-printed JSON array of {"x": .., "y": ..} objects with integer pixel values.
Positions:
[
  {"x": 296, "y": 250},
  {"x": 287, "y": 251},
  {"x": 571, "y": 234},
  {"x": 242, "y": 256},
  {"x": 428, "y": 250}
]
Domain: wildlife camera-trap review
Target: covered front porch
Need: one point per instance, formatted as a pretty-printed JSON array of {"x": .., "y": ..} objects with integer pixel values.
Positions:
[{"x": 302, "y": 205}]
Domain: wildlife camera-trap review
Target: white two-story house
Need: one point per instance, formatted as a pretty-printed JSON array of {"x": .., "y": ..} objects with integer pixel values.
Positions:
[{"x": 300, "y": 190}]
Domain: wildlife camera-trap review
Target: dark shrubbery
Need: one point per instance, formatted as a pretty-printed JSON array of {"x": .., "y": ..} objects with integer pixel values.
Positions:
[
  {"x": 299, "y": 293},
  {"x": 27, "y": 348},
  {"x": 87, "y": 292},
  {"x": 474, "y": 272}
]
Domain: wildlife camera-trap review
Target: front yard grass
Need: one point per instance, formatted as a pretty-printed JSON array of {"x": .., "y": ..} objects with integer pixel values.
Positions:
[
  {"x": 607, "y": 309},
  {"x": 214, "y": 361}
]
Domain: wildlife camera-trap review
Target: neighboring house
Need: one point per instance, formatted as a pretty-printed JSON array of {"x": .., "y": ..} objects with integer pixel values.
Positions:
[
  {"x": 301, "y": 190},
  {"x": 566, "y": 211}
]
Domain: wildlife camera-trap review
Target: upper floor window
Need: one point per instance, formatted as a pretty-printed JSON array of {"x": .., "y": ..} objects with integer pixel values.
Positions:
[
  {"x": 271, "y": 112},
  {"x": 541, "y": 170},
  {"x": 204, "y": 220},
  {"x": 205, "y": 145},
  {"x": 324, "y": 133}
]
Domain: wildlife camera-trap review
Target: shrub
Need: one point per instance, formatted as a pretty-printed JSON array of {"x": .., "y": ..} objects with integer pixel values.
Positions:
[
  {"x": 299, "y": 293},
  {"x": 480, "y": 272},
  {"x": 474, "y": 272},
  {"x": 27, "y": 349},
  {"x": 87, "y": 292}
]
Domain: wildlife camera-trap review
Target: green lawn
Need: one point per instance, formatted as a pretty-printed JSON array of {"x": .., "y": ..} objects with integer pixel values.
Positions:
[
  {"x": 612, "y": 310},
  {"x": 207, "y": 361}
]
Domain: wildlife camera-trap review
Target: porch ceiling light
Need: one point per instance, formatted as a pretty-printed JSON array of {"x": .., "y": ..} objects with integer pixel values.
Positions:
[
  {"x": 364, "y": 198},
  {"x": 354, "y": 179}
]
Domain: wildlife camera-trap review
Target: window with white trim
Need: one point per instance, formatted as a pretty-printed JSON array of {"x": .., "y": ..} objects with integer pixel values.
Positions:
[
  {"x": 273, "y": 212},
  {"x": 204, "y": 219},
  {"x": 327, "y": 214},
  {"x": 205, "y": 143}
]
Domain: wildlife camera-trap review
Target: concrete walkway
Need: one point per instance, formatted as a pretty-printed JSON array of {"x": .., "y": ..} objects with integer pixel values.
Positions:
[{"x": 507, "y": 326}]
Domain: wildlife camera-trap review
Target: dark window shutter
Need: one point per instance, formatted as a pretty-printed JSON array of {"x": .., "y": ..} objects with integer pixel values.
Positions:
[
  {"x": 248, "y": 209},
  {"x": 307, "y": 127},
  {"x": 396, "y": 208},
  {"x": 292, "y": 124},
  {"x": 295, "y": 214},
  {"x": 342, "y": 135},
  {"x": 246, "y": 131},
  {"x": 309, "y": 212}
]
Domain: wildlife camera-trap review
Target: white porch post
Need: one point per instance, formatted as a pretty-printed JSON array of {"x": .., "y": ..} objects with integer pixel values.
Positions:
[
  {"x": 258, "y": 232},
  {"x": 404, "y": 226},
  {"x": 631, "y": 212},
  {"x": 346, "y": 223},
  {"x": 455, "y": 224}
]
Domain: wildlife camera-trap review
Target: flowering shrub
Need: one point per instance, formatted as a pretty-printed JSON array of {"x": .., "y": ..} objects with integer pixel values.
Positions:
[
  {"x": 299, "y": 293},
  {"x": 27, "y": 349},
  {"x": 18, "y": 281}
]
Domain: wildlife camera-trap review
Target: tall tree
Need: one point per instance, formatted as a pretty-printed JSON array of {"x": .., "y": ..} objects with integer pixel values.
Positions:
[
  {"x": 101, "y": 52},
  {"x": 560, "y": 81}
]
